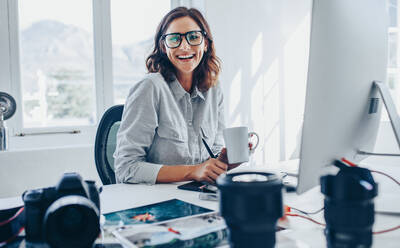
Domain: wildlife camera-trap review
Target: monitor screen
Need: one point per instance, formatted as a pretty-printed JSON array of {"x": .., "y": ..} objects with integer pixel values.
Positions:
[{"x": 348, "y": 51}]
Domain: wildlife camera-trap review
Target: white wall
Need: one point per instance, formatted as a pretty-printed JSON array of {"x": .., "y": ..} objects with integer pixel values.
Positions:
[
  {"x": 26, "y": 169},
  {"x": 385, "y": 143},
  {"x": 263, "y": 45}
]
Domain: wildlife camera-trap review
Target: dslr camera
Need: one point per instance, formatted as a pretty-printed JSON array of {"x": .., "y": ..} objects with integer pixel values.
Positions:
[{"x": 67, "y": 215}]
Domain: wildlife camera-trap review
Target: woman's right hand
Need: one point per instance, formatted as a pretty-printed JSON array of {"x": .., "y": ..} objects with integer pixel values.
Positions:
[{"x": 209, "y": 170}]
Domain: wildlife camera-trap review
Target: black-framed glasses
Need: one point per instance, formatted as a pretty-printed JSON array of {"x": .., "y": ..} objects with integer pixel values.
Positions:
[{"x": 174, "y": 40}]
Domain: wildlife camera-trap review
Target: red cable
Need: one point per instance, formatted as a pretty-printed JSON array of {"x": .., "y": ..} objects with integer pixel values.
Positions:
[
  {"x": 387, "y": 230},
  {"x": 349, "y": 162},
  {"x": 10, "y": 219},
  {"x": 375, "y": 171},
  {"x": 305, "y": 217},
  {"x": 382, "y": 173},
  {"x": 322, "y": 224},
  {"x": 12, "y": 238}
]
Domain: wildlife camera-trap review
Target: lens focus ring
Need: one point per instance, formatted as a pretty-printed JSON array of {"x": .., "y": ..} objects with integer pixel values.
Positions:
[{"x": 71, "y": 221}]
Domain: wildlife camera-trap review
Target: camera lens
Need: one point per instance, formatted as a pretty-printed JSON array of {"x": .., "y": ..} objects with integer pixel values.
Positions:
[
  {"x": 71, "y": 221},
  {"x": 349, "y": 207},
  {"x": 251, "y": 204}
]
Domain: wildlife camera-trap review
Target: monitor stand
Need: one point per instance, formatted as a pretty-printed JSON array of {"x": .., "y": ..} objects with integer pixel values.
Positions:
[{"x": 392, "y": 112}]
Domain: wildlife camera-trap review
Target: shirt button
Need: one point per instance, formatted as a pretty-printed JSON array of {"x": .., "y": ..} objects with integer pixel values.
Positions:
[
  {"x": 176, "y": 135},
  {"x": 190, "y": 123}
]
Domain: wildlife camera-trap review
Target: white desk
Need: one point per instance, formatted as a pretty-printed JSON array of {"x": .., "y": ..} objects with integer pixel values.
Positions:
[
  {"x": 305, "y": 233},
  {"x": 302, "y": 233}
]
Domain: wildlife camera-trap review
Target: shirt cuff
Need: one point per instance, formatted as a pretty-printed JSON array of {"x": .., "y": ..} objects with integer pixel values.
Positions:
[{"x": 143, "y": 172}]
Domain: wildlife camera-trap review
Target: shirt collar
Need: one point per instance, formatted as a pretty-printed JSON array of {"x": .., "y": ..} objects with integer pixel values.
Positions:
[
  {"x": 197, "y": 93},
  {"x": 179, "y": 91}
]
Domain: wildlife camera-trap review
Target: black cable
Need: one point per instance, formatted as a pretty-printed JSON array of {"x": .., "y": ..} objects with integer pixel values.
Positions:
[{"x": 308, "y": 213}]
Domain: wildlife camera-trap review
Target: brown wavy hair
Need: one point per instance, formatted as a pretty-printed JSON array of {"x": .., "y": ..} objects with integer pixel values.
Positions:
[{"x": 206, "y": 73}]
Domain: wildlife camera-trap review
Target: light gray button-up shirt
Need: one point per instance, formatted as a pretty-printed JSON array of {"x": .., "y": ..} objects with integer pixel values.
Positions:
[{"x": 162, "y": 124}]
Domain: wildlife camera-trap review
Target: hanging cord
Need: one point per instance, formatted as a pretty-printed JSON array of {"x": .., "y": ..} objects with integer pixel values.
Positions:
[
  {"x": 387, "y": 230},
  {"x": 390, "y": 177},
  {"x": 307, "y": 218},
  {"x": 322, "y": 224},
  {"x": 374, "y": 171},
  {"x": 12, "y": 227},
  {"x": 308, "y": 213}
]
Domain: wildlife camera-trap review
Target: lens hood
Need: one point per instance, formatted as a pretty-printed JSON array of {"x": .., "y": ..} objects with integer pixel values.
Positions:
[
  {"x": 251, "y": 204},
  {"x": 249, "y": 180},
  {"x": 71, "y": 221}
]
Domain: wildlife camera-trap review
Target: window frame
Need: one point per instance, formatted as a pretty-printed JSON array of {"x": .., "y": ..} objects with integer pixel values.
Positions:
[
  {"x": 21, "y": 137},
  {"x": 396, "y": 69}
]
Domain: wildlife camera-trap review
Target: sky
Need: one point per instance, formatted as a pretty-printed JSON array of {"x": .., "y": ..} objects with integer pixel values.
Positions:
[{"x": 131, "y": 20}]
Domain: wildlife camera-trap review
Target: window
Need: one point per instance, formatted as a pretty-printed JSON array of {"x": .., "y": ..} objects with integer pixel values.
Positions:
[
  {"x": 133, "y": 32},
  {"x": 393, "y": 70},
  {"x": 57, "y": 61}
]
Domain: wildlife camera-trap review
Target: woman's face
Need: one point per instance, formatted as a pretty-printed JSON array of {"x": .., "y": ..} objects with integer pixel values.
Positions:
[{"x": 185, "y": 58}]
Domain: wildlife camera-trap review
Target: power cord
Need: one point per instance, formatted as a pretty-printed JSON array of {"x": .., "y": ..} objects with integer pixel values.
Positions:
[
  {"x": 307, "y": 213},
  {"x": 288, "y": 213},
  {"x": 374, "y": 171},
  {"x": 384, "y": 174},
  {"x": 323, "y": 224}
]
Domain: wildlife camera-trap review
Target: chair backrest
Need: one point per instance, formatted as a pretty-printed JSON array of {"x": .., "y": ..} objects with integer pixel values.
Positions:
[{"x": 106, "y": 140}]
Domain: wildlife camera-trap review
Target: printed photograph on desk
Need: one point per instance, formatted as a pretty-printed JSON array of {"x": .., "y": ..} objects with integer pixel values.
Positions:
[
  {"x": 208, "y": 230},
  {"x": 154, "y": 213}
]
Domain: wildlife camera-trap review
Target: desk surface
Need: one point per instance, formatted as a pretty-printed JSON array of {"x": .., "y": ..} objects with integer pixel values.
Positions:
[{"x": 301, "y": 232}]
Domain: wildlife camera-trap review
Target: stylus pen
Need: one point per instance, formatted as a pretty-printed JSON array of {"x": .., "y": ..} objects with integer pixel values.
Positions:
[{"x": 208, "y": 149}]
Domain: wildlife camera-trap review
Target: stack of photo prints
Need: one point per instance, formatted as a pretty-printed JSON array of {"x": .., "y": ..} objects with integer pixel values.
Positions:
[{"x": 172, "y": 223}]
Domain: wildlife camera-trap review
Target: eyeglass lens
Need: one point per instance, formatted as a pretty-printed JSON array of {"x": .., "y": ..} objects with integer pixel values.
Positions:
[{"x": 194, "y": 38}]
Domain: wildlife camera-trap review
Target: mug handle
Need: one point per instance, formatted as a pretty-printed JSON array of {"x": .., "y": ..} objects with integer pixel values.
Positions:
[{"x": 258, "y": 139}]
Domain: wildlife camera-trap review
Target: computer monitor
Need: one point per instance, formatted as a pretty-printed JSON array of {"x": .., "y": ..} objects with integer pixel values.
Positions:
[{"x": 348, "y": 51}]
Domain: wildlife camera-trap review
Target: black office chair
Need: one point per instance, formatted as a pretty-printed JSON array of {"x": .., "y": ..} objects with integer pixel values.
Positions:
[{"x": 105, "y": 143}]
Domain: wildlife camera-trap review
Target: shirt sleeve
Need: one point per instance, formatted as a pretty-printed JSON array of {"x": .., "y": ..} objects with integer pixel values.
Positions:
[
  {"x": 135, "y": 135},
  {"x": 219, "y": 140}
]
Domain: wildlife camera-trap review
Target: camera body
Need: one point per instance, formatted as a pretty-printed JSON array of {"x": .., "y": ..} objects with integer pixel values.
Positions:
[{"x": 66, "y": 215}]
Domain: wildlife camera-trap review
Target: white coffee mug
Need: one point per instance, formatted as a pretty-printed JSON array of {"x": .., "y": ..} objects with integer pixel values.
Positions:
[{"x": 237, "y": 144}]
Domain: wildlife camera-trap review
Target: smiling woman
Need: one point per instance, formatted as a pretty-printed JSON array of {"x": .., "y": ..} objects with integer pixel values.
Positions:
[{"x": 170, "y": 111}]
